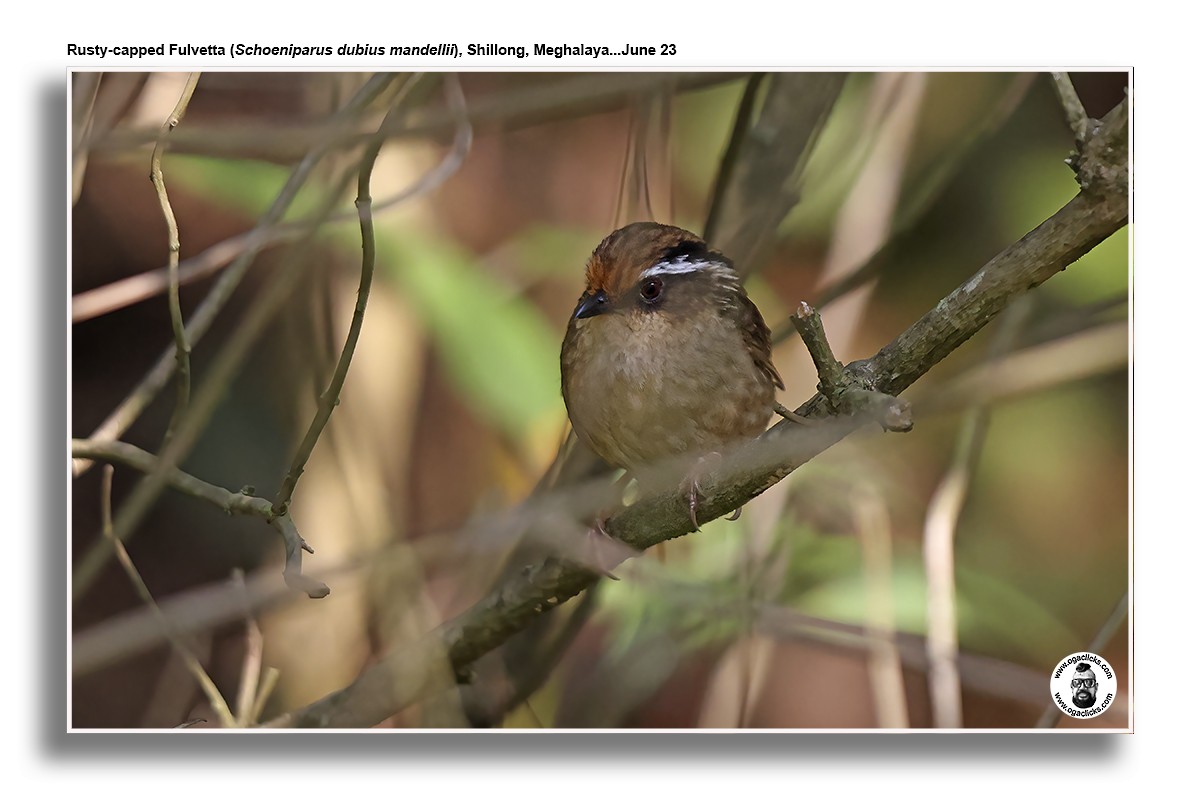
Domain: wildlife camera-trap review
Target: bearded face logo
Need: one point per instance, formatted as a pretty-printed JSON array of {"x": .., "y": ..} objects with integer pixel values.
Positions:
[{"x": 1083, "y": 687}]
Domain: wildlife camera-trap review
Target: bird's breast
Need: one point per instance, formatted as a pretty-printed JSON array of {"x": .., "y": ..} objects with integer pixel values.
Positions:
[{"x": 640, "y": 388}]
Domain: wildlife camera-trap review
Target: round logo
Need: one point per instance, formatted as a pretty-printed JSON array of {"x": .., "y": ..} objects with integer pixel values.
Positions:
[{"x": 1083, "y": 685}]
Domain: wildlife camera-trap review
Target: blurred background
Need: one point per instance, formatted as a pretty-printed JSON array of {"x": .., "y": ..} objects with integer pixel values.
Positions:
[{"x": 808, "y": 611}]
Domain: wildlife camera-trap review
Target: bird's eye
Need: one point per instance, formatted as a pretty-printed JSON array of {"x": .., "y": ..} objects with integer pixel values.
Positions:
[{"x": 652, "y": 289}]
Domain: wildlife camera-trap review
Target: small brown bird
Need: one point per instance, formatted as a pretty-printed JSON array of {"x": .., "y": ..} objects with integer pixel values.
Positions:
[{"x": 665, "y": 356}]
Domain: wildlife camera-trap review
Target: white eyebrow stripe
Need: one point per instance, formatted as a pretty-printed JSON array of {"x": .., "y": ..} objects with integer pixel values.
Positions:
[{"x": 682, "y": 266}]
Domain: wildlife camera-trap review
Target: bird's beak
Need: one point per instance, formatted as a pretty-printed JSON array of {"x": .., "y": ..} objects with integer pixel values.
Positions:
[{"x": 592, "y": 305}]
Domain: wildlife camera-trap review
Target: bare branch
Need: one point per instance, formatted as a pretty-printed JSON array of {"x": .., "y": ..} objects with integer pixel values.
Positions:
[
  {"x": 883, "y": 658},
  {"x": 229, "y": 502},
  {"x": 431, "y": 180},
  {"x": 183, "y": 364},
  {"x": 1077, "y": 118},
  {"x": 251, "y": 662},
  {"x": 762, "y": 186},
  {"x": 923, "y": 197},
  {"x": 148, "y": 388},
  {"x": 135, "y": 288},
  {"x": 1077, "y": 356},
  {"x": 572, "y": 96},
  {"x": 941, "y": 524},
  {"x": 181, "y": 649},
  {"x": 842, "y": 391},
  {"x": 807, "y": 322}
]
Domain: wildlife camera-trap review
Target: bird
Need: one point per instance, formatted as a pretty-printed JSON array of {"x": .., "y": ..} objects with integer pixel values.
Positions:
[{"x": 666, "y": 360}]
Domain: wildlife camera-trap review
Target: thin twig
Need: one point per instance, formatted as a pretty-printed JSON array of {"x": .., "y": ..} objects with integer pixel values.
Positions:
[
  {"x": 904, "y": 225},
  {"x": 225, "y": 367},
  {"x": 842, "y": 390},
  {"x": 229, "y": 502},
  {"x": 883, "y": 658},
  {"x": 269, "y": 679},
  {"x": 331, "y": 396},
  {"x": 534, "y": 103},
  {"x": 1077, "y": 118},
  {"x": 807, "y": 323},
  {"x": 251, "y": 662},
  {"x": 181, "y": 649},
  {"x": 202, "y": 318},
  {"x": 85, "y": 87},
  {"x": 941, "y": 524},
  {"x": 126, "y": 291},
  {"x": 183, "y": 364},
  {"x": 1087, "y": 353}
]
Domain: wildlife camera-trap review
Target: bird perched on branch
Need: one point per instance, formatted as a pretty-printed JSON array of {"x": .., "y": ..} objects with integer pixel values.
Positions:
[
  {"x": 665, "y": 359},
  {"x": 665, "y": 362}
]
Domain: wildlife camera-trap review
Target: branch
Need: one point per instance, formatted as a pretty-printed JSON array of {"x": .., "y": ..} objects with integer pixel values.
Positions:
[
  {"x": 755, "y": 193},
  {"x": 1077, "y": 118},
  {"x": 404, "y": 676},
  {"x": 220, "y": 707},
  {"x": 941, "y": 526},
  {"x": 135, "y": 288},
  {"x": 242, "y": 503},
  {"x": 569, "y": 98},
  {"x": 224, "y": 368},
  {"x": 331, "y": 396},
  {"x": 183, "y": 364},
  {"x": 838, "y": 386},
  {"x": 148, "y": 388},
  {"x": 904, "y": 230}
]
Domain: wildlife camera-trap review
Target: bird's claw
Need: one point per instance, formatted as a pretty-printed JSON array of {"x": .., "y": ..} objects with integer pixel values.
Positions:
[
  {"x": 693, "y": 496},
  {"x": 598, "y": 540},
  {"x": 691, "y": 486}
]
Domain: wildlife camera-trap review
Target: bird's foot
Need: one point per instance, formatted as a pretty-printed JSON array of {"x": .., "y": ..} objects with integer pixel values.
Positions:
[
  {"x": 690, "y": 486},
  {"x": 598, "y": 546}
]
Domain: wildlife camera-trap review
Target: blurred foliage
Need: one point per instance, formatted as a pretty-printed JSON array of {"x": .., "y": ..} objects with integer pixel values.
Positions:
[{"x": 502, "y": 354}]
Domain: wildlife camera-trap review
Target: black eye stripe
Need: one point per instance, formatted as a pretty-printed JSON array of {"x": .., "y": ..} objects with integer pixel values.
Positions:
[{"x": 683, "y": 250}]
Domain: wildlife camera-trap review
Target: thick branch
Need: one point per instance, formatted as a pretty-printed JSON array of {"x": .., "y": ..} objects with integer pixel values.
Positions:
[
  {"x": 761, "y": 185},
  {"x": 404, "y": 676}
]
